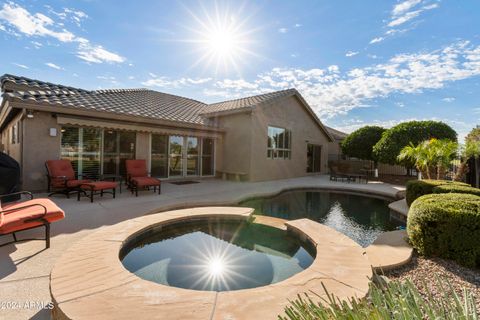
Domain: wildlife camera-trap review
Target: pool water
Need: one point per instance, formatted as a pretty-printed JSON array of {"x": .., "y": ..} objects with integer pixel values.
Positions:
[
  {"x": 361, "y": 218},
  {"x": 217, "y": 255}
]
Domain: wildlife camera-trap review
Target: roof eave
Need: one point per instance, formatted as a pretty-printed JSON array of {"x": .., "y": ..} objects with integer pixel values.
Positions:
[{"x": 61, "y": 109}]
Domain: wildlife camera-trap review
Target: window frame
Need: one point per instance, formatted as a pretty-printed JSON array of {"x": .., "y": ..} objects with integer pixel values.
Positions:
[{"x": 273, "y": 151}]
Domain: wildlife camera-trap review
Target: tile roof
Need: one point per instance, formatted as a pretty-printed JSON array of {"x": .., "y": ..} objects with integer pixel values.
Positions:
[
  {"x": 247, "y": 102},
  {"x": 338, "y": 135},
  {"x": 135, "y": 102}
]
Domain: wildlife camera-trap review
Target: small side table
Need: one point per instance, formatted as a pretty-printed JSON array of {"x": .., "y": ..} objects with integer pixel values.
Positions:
[{"x": 114, "y": 178}]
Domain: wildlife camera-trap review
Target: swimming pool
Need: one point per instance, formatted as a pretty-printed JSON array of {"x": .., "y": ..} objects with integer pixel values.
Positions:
[{"x": 360, "y": 217}]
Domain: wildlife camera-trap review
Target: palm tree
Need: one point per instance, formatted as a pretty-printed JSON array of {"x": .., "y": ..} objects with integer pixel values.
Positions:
[
  {"x": 419, "y": 155},
  {"x": 444, "y": 152},
  {"x": 431, "y": 157},
  {"x": 471, "y": 149}
]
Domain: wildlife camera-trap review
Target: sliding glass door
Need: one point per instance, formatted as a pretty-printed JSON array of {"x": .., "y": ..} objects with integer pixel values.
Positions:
[
  {"x": 118, "y": 146},
  {"x": 192, "y": 156},
  {"x": 176, "y": 156},
  {"x": 82, "y": 147},
  {"x": 159, "y": 156}
]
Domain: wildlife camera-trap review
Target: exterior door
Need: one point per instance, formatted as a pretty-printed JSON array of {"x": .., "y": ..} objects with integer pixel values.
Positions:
[
  {"x": 192, "y": 158},
  {"x": 175, "y": 161},
  {"x": 314, "y": 157}
]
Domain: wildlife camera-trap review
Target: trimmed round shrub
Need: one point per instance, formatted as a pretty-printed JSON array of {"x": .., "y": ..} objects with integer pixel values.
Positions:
[
  {"x": 396, "y": 138},
  {"x": 455, "y": 188},
  {"x": 418, "y": 188},
  {"x": 446, "y": 225},
  {"x": 359, "y": 143}
]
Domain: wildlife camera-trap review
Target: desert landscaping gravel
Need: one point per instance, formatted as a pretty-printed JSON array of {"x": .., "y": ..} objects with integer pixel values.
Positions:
[{"x": 424, "y": 273}]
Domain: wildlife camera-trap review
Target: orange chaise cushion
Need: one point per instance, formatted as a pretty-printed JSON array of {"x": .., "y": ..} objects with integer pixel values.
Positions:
[
  {"x": 136, "y": 168},
  {"x": 15, "y": 220},
  {"x": 146, "y": 181}
]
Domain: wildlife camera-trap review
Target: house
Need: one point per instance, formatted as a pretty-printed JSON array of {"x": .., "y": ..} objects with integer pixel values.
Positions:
[
  {"x": 265, "y": 137},
  {"x": 334, "y": 148}
]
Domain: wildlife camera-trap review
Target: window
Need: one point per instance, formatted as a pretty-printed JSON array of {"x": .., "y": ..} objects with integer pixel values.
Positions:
[
  {"x": 279, "y": 144},
  {"x": 14, "y": 137},
  {"x": 82, "y": 147}
]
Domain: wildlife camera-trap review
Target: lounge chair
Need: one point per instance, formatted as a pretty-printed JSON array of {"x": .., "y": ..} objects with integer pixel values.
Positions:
[
  {"x": 138, "y": 177},
  {"x": 335, "y": 175},
  {"x": 61, "y": 178},
  {"x": 30, "y": 214}
]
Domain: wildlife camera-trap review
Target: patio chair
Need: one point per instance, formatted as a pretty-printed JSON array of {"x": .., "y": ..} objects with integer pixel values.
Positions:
[
  {"x": 138, "y": 177},
  {"x": 26, "y": 215},
  {"x": 335, "y": 175},
  {"x": 61, "y": 178}
]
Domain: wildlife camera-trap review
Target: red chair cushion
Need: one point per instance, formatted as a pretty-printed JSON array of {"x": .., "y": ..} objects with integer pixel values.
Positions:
[
  {"x": 99, "y": 185},
  {"x": 77, "y": 183},
  {"x": 15, "y": 221},
  {"x": 60, "y": 168},
  {"x": 145, "y": 181},
  {"x": 136, "y": 168}
]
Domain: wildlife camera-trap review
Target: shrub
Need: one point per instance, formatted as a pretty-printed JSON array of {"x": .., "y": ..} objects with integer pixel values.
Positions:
[
  {"x": 359, "y": 143},
  {"x": 418, "y": 188},
  {"x": 446, "y": 225},
  {"x": 398, "y": 301},
  {"x": 456, "y": 188},
  {"x": 396, "y": 138}
]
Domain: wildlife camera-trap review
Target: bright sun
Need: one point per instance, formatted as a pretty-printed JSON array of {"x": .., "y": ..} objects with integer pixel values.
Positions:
[{"x": 222, "y": 40}]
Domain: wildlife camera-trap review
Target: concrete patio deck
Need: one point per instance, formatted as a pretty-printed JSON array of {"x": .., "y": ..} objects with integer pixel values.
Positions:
[{"x": 25, "y": 267}]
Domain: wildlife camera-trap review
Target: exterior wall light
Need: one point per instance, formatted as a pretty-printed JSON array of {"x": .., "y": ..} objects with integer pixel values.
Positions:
[{"x": 29, "y": 114}]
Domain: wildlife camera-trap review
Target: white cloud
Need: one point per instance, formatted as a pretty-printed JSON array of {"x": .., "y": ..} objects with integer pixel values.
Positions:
[
  {"x": 53, "y": 65},
  {"x": 165, "y": 82},
  {"x": 404, "y": 18},
  {"x": 351, "y": 53},
  {"x": 97, "y": 54},
  {"x": 402, "y": 13},
  {"x": 20, "y": 65},
  {"x": 297, "y": 25},
  {"x": 131, "y": 77},
  {"x": 331, "y": 92},
  {"x": 376, "y": 40},
  {"x": 404, "y": 6},
  {"x": 32, "y": 25},
  {"x": 283, "y": 30},
  {"x": 400, "y": 104},
  {"x": 23, "y": 22},
  {"x": 449, "y": 99}
]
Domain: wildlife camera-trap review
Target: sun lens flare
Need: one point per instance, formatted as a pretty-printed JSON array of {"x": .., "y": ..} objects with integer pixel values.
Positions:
[
  {"x": 216, "y": 267},
  {"x": 222, "y": 41}
]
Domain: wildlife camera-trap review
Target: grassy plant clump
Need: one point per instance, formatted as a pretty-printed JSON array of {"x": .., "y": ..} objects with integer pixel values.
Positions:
[{"x": 397, "y": 300}]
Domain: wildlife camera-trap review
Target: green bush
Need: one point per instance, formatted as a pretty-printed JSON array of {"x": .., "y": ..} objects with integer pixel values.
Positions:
[
  {"x": 456, "y": 188},
  {"x": 446, "y": 225},
  {"x": 359, "y": 143},
  {"x": 398, "y": 301},
  {"x": 396, "y": 138},
  {"x": 418, "y": 188}
]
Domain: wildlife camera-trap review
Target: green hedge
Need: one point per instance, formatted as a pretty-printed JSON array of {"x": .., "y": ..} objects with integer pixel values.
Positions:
[
  {"x": 449, "y": 188},
  {"x": 446, "y": 225},
  {"x": 418, "y": 188}
]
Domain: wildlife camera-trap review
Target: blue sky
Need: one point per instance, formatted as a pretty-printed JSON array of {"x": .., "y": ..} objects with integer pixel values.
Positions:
[{"x": 356, "y": 62}]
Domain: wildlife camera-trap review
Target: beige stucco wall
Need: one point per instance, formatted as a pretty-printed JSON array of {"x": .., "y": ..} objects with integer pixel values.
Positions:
[
  {"x": 38, "y": 147},
  {"x": 142, "y": 147},
  {"x": 285, "y": 113},
  {"x": 235, "y": 151},
  {"x": 13, "y": 150}
]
